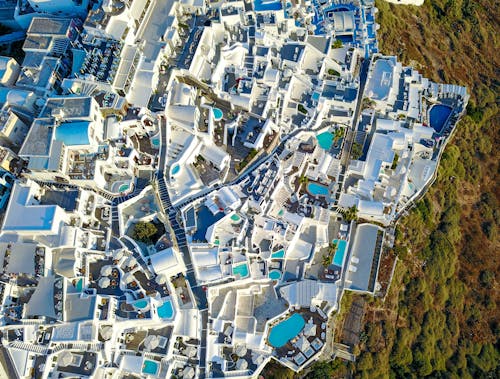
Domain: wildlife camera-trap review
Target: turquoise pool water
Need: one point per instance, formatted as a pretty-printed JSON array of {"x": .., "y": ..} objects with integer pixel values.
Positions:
[
  {"x": 73, "y": 133},
  {"x": 317, "y": 189},
  {"x": 155, "y": 142},
  {"x": 166, "y": 310},
  {"x": 281, "y": 212},
  {"x": 438, "y": 115},
  {"x": 241, "y": 270},
  {"x": 79, "y": 285},
  {"x": 141, "y": 304},
  {"x": 325, "y": 140},
  {"x": 315, "y": 96},
  {"x": 235, "y": 217},
  {"x": 149, "y": 367},
  {"x": 286, "y": 330},
  {"x": 280, "y": 254},
  {"x": 338, "y": 258},
  {"x": 274, "y": 274},
  {"x": 123, "y": 187},
  {"x": 266, "y": 5},
  {"x": 175, "y": 169},
  {"x": 217, "y": 114}
]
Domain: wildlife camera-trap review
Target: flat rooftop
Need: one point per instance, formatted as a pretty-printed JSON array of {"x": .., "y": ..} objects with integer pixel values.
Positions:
[{"x": 365, "y": 246}]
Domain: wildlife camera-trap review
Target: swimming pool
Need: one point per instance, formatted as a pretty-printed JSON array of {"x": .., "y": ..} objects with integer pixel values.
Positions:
[
  {"x": 155, "y": 142},
  {"x": 325, "y": 140},
  {"x": 280, "y": 254},
  {"x": 235, "y": 217},
  {"x": 217, "y": 114},
  {"x": 204, "y": 219},
  {"x": 166, "y": 310},
  {"x": 281, "y": 212},
  {"x": 338, "y": 258},
  {"x": 286, "y": 330},
  {"x": 141, "y": 304},
  {"x": 317, "y": 189},
  {"x": 73, "y": 133},
  {"x": 438, "y": 115},
  {"x": 274, "y": 274},
  {"x": 175, "y": 169},
  {"x": 266, "y": 5},
  {"x": 149, "y": 367},
  {"x": 241, "y": 270},
  {"x": 124, "y": 187},
  {"x": 315, "y": 96},
  {"x": 79, "y": 285}
]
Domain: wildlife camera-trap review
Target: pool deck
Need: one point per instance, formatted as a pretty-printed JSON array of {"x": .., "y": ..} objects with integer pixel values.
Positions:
[{"x": 289, "y": 350}]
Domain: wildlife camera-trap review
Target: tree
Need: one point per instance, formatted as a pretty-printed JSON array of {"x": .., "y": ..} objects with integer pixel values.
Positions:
[
  {"x": 337, "y": 44},
  {"x": 350, "y": 213},
  {"x": 325, "y": 260},
  {"x": 144, "y": 231},
  {"x": 356, "y": 151}
]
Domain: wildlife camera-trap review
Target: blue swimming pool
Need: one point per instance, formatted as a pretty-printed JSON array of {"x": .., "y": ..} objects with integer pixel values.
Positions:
[
  {"x": 266, "y": 5},
  {"x": 155, "y": 142},
  {"x": 315, "y": 96},
  {"x": 166, "y": 310},
  {"x": 286, "y": 330},
  {"x": 338, "y": 258},
  {"x": 79, "y": 285},
  {"x": 204, "y": 219},
  {"x": 217, "y": 114},
  {"x": 438, "y": 115},
  {"x": 280, "y": 254},
  {"x": 73, "y": 133},
  {"x": 241, "y": 270},
  {"x": 325, "y": 140},
  {"x": 317, "y": 189},
  {"x": 141, "y": 304},
  {"x": 175, "y": 169},
  {"x": 124, "y": 187},
  {"x": 274, "y": 274},
  {"x": 149, "y": 367}
]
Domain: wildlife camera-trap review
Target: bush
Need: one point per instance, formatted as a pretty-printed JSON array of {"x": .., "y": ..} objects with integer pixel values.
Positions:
[{"x": 144, "y": 232}]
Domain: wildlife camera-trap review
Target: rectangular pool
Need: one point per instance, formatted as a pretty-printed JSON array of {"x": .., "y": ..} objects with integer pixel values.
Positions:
[{"x": 338, "y": 258}]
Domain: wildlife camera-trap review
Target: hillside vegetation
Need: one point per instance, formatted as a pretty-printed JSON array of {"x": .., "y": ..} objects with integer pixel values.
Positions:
[{"x": 441, "y": 317}]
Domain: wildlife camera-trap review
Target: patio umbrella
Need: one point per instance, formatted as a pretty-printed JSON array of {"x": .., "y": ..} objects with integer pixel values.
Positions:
[
  {"x": 241, "y": 350},
  {"x": 241, "y": 364},
  {"x": 104, "y": 282},
  {"x": 65, "y": 358},
  {"x": 106, "y": 270},
  {"x": 310, "y": 329},
  {"x": 151, "y": 342},
  {"x": 188, "y": 372},
  {"x": 161, "y": 279},
  {"x": 118, "y": 254},
  {"x": 191, "y": 351},
  {"x": 88, "y": 365},
  {"x": 130, "y": 262},
  {"x": 257, "y": 359},
  {"x": 128, "y": 278},
  {"x": 302, "y": 344},
  {"x": 59, "y": 284},
  {"x": 106, "y": 332}
]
